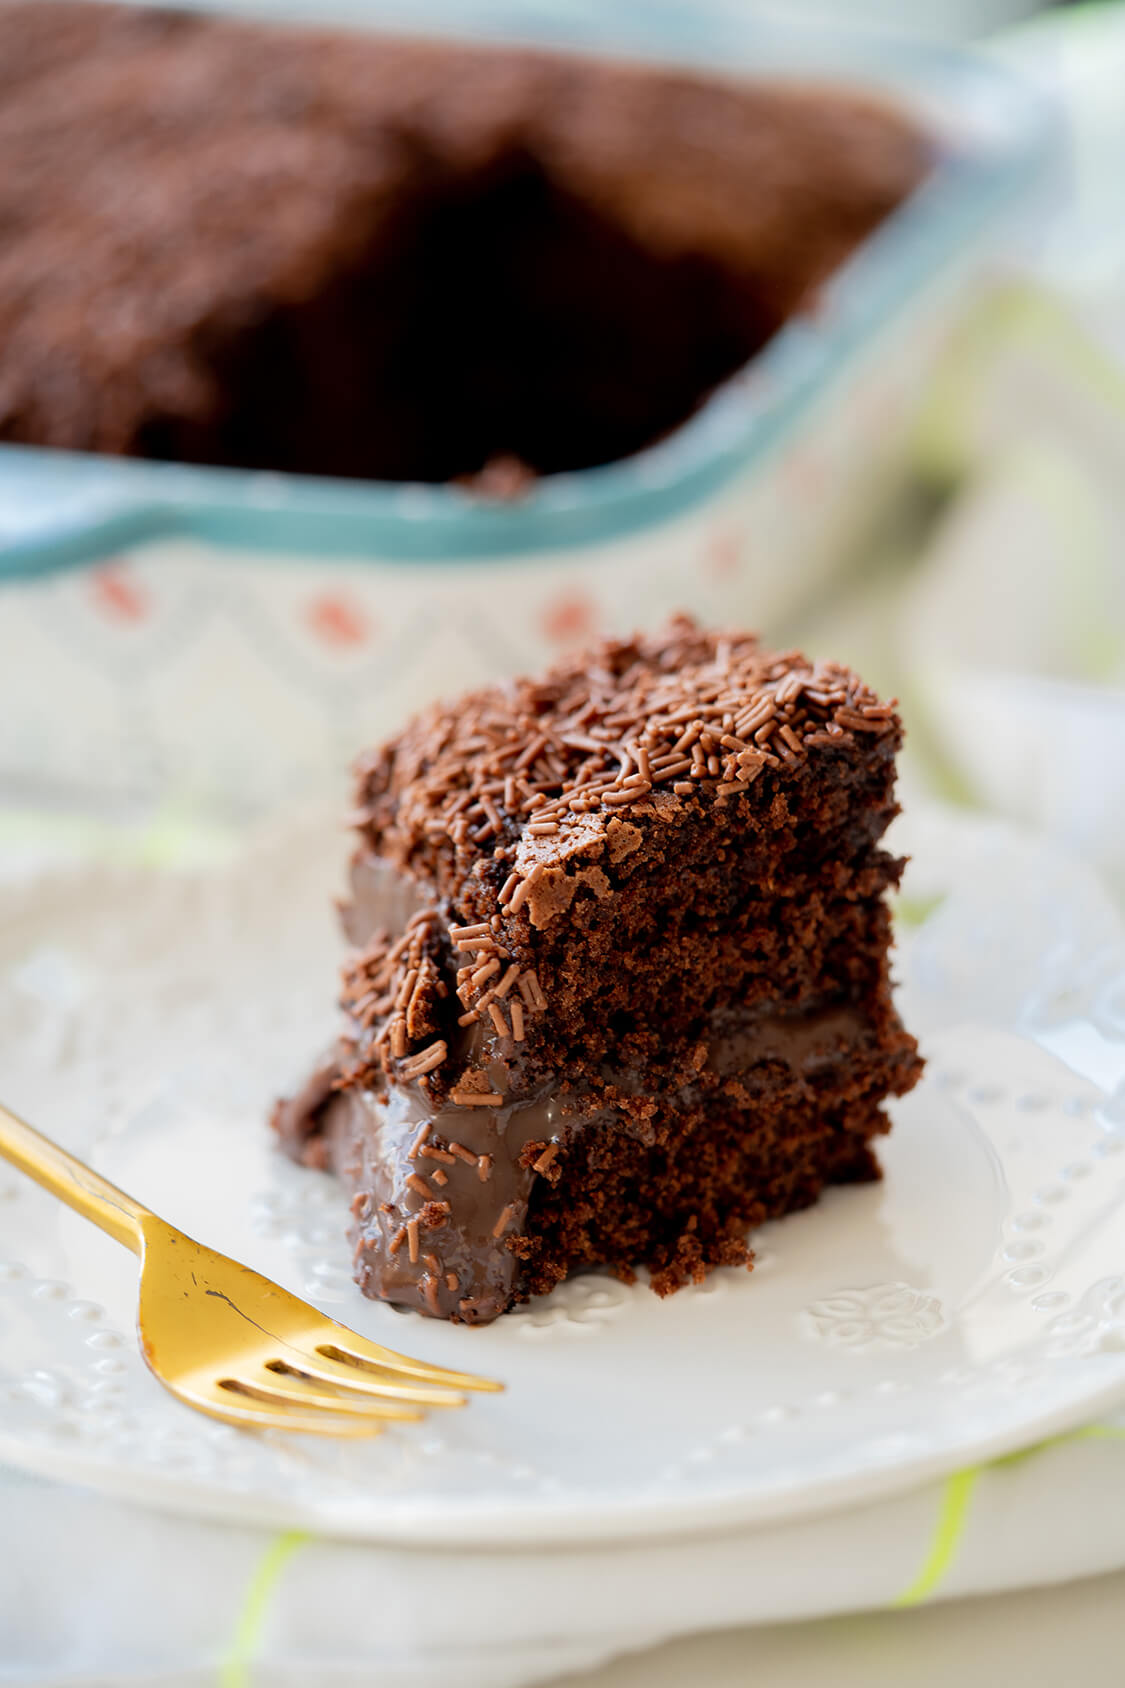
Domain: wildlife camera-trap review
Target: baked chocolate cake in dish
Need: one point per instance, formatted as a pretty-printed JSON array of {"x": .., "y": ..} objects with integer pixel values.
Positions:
[
  {"x": 365, "y": 256},
  {"x": 620, "y": 987}
]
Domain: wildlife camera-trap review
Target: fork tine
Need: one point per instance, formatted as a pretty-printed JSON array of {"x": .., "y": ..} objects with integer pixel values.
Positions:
[
  {"x": 345, "y": 1375},
  {"x": 356, "y": 1350},
  {"x": 285, "y": 1391},
  {"x": 256, "y": 1415}
]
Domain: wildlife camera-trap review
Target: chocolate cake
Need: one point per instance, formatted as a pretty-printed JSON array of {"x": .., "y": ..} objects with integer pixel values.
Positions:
[
  {"x": 619, "y": 989},
  {"x": 288, "y": 249}
]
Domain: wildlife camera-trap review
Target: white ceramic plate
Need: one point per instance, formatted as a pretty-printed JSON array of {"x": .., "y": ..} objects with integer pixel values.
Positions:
[{"x": 972, "y": 1303}]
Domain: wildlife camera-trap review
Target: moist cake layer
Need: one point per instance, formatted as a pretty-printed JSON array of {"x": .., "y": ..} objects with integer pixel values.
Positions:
[
  {"x": 621, "y": 982},
  {"x": 689, "y": 1189}
]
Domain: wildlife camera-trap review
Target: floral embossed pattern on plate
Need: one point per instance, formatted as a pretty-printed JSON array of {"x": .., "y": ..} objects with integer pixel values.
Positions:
[
  {"x": 972, "y": 1302},
  {"x": 892, "y": 1314}
]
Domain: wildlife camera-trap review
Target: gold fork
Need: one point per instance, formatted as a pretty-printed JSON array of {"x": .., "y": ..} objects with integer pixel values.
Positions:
[{"x": 229, "y": 1342}]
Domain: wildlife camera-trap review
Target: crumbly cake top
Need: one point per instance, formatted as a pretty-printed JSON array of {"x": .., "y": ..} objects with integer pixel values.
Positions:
[
  {"x": 526, "y": 771},
  {"x": 502, "y": 806}
]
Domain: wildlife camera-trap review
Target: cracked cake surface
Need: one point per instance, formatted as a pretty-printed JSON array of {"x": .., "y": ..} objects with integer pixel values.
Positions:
[{"x": 619, "y": 984}]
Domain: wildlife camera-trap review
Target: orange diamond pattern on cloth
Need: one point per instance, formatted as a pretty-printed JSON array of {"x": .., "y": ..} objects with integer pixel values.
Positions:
[
  {"x": 570, "y": 618},
  {"x": 117, "y": 595},
  {"x": 337, "y": 620}
]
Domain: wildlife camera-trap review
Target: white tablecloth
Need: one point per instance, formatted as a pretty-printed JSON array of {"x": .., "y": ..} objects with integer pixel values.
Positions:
[{"x": 99, "y": 1591}]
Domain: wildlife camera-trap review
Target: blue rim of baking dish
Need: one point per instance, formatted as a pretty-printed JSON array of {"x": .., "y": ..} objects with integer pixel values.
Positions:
[{"x": 60, "y": 509}]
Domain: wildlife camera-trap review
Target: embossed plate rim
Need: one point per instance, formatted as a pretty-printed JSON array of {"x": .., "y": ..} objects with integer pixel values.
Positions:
[{"x": 715, "y": 1493}]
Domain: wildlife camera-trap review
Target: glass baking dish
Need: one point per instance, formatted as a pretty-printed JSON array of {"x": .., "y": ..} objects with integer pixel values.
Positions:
[
  {"x": 58, "y": 507},
  {"x": 272, "y": 622}
]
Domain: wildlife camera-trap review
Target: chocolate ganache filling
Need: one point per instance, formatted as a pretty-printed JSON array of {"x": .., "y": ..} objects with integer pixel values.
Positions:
[{"x": 439, "y": 1191}]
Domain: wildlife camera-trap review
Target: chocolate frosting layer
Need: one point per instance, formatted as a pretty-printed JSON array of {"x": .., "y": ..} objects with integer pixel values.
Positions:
[
  {"x": 383, "y": 898},
  {"x": 439, "y": 1192},
  {"x": 440, "y": 1248}
]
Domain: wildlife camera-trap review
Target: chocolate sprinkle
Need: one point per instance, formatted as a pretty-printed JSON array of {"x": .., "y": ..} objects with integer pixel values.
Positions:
[{"x": 505, "y": 1219}]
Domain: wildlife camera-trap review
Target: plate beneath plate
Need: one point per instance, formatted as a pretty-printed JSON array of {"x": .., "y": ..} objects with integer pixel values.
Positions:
[{"x": 972, "y": 1303}]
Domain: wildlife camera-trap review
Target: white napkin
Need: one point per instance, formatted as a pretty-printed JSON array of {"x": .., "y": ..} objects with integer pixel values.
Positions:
[{"x": 99, "y": 1591}]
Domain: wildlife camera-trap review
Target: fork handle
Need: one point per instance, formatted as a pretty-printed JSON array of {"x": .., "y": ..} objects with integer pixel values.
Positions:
[{"x": 78, "y": 1185}]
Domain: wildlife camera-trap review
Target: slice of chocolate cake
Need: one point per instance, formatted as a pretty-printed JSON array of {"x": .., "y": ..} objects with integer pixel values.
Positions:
[{"x": 620, "y": 989}]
